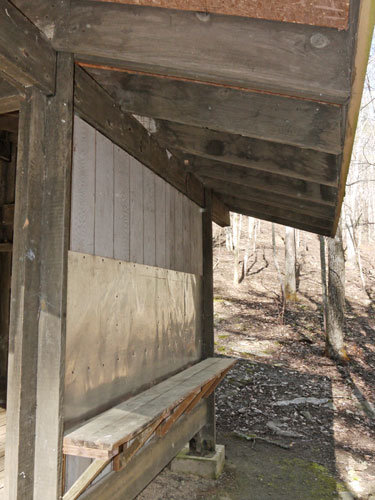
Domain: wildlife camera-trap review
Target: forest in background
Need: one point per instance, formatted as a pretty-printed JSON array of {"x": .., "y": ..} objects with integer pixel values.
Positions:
[{"x": 356, "y": 230}]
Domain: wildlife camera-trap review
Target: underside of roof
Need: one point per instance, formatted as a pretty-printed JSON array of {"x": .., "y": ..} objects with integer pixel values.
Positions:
[{"x": 258, "y": 100}]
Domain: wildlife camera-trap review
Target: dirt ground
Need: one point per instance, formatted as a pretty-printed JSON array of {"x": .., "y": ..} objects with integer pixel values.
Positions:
[{"x": 309, "y": 423}]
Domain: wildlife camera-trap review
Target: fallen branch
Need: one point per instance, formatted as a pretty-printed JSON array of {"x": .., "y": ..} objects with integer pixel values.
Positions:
[{"x": 253, "y": 437}]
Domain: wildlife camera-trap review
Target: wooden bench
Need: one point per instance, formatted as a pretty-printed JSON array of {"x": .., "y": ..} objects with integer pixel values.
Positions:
[{"x": 118, "y": 433}]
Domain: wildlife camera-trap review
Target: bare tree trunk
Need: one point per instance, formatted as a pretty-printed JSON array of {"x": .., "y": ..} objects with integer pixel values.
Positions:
[
  {"x": 277, "y": 264},
  {"x": 290, "y": 265},
  {"x": 323, "y": 267},
  {"x": 336, "y": 298},
  {"x": 237, "y": 223}
]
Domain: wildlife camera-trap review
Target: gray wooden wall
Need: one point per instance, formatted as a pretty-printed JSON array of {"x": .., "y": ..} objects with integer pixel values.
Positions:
[{"x": 122, "y": 210}]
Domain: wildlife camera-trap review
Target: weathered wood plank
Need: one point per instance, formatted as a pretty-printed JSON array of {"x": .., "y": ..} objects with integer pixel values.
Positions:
[
  {"x": 285, "y": 58},
  {"x": 25, "y": 55},
  {"x": 178, "y": 233},
  {"x": 37, "y": 331},
  {"x": 296, "y": 122},
  {"x": 94, "y": 105},
  {"x": 83, "y": 189},
  {"x": 170, "y": 227},
  {"x": 244, "y": 177},
  {"x": 120, "y": 424},
  {"x": 10, "y": 97},
  {"x": 186, "y": 248},
  {"x": 129, "y": 482},
  {"x": 275, "y": 214},
  {"x": 290, "y": 161},
  {"x": 161, "y": 217},
  {"x": 205, "y": 440},
  {"x": 136, "y": 211},
  {"x": 331, "y": 14},
  {"x": 149, "y": 220},
  {"x": 43, "y": 13},
  {"x": 92, "y": 471},
  {"x": 104, "y": 196},
  {"x": 23, "y": 333},
  {"x": 53, "y": 292},
  {"x": 284, "y": 222},
  {"x": 231, "y": 191},
  {"x": 220, "y": 213},
  {"x": 122, "y": 205}
]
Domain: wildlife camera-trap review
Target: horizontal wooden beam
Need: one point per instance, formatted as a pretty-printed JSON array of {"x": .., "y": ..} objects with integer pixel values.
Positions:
[
  {"x": 252, "y": 114},
  {"x": 220, "y": 212},
  {"x": 25, "y": 55},
  {"x": 232, "y": 192},
  {"x": 277, "y": 57},
  {"x": 244, "y": 178},
  {"x": 333, "y": 14},
  {"x": 98, "y": 108},
  {"x": 10, "y": 97},
  {"x": 267, "y": 156},
  {"x": 283, "y": 217}
]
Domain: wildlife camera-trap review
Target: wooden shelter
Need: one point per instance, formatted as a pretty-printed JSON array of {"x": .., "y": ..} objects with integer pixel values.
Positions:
[{"x": 126, "y": 128}]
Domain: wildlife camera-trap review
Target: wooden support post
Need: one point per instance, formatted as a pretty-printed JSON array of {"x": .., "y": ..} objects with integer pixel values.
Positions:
[
  {"x": 38, "y": 298},
  {"x": 205, "y": 440}
]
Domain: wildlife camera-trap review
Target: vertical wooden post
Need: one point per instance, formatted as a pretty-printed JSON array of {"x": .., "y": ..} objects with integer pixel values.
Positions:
[
  {"x": 38, "y": 299},
  {"x": 205, "y": 441}
]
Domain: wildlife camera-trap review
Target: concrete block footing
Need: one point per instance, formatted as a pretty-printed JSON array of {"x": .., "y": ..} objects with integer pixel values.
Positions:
[{"x": 209, "y": 467}]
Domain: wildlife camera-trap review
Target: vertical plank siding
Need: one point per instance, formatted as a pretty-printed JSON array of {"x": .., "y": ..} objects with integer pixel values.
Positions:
[
  {"x": 104, "y": 190},
  {"x": 122, "y": 210},
  {"x": 121, "y": 248}
]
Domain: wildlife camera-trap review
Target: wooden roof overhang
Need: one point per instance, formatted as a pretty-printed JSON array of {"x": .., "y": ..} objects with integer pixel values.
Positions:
[{"x": 258, "y": 103}]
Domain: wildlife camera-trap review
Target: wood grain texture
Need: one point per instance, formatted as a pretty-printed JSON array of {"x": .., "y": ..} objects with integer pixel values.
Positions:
[
  {"x": 136, "y": 212},
  {"x": 104, "y": 196},
  {"x": 38, "y": 312},
  {"x": 95, "y": 106},
  {"x": 205, "y": 440},
  {"x": 170, "y": 229},
  {"x": 241, "y": 177},
  {"x": 53, "y": 289},
  {"x": 25, "y": 55},
  {"x": 161, "y": 219},
  {"x": 283, "y": 217},
  {"x": 150, "y": 461},
  {"x": 10, "y": 97},
  {"x": 149, "y": 219},
  {"x": 121, "y": 204},
  {"x": 83, "y": 188},
  {"x": 178, "y": 233},
  {"x": 262, "y": 116},
  {"x": 272, "y": 56},
  {"x": 235, "y": 149},
  {"x": 120, "y": 424},
  {"x": 23, "y": 332},
  {"x": 230, "y": 194},
  {"x": 331, "y": 14}
]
